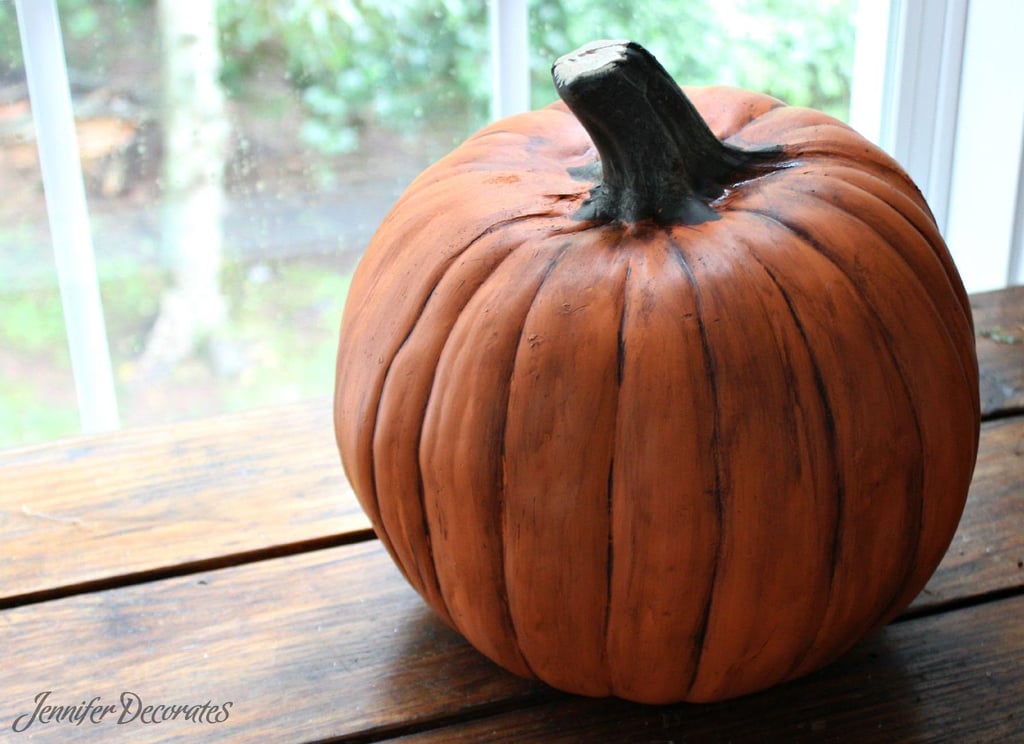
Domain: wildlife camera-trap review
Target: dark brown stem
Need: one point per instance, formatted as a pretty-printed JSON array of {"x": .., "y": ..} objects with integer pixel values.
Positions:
[{"x": 659, "y": 160}]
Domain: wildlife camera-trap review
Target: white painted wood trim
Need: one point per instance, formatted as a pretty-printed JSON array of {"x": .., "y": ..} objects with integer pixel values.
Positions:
[
  {"x": 924, "y": 68},
  {"x": 984, "y": 227},
  {"x": 510, "y": 57},
  {"x": 46, "y": 72}
]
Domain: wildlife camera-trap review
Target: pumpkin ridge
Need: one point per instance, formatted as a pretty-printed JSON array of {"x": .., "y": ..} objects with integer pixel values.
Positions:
[
  {"x": 917, "y": 472},
  {"x": 502, "y": 458},
  {"x": 738, "y": 138},
  {"x": 827, "y": 170},
  {"x": 557, "y": 451},
  {"x": 450, "y": 262},
  {"x": 876, "y": 169},
  {"x": 957, "y": 344},
  {"x": 421, "y": 493},
  {"x": 663, "y": 466},
  {"x": 821, "y": 388},
  {"x": 833, "y": 171},
  {"x": 850, "y": 147},
  {"x": 425, "y": 574},
  {"x": 953, "y": 285},
  {"x": 792, "y": 442},
  {"x": 815, "y": 152},
  {"x": 719, "y": 475},
  {"x": 432, "y": 440},
  {"x": 622, "y": 328},
  {"x": 820, "y": 248},
  {"x": 610, "y": 561}
]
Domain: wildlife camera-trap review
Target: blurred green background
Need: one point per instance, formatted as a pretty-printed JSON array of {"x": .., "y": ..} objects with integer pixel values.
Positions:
[{"x": 333, "y": 107}]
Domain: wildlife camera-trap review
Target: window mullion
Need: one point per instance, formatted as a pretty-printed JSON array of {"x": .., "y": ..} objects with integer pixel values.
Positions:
[
  {"x": 983, "y": 231},
  {"x": 510, "y": 55},
  {"x": 919, "y": 128},
  {"x": 52, "y": 114}
]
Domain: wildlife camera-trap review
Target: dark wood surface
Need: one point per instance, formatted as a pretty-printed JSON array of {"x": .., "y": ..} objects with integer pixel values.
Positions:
[
  {"x": 227, "y": 560},
  {"x": 213, "y": 492}
]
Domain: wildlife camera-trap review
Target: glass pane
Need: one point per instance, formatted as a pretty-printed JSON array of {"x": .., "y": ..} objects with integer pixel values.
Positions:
[
  {"x": 800, "y": 51},
  {"x": 237, "y": 158},
  {"x": 239, "y": 155}
]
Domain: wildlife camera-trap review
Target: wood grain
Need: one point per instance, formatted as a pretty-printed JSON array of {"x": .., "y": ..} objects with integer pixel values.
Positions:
[
  {"x": 957, "y": 677},
  {"x": 999, "y": 327},
  {"x": 90, "y": 508},
  {"x": 329, "y": 643}
]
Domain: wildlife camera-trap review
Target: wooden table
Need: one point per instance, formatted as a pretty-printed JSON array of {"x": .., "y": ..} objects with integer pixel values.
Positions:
[{"x": 224, "y": 566}]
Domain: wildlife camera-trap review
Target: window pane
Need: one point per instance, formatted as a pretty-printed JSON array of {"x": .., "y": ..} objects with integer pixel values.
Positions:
[
  {"x": 239, "y": 155},
  {"x": 800, "y": 51}
]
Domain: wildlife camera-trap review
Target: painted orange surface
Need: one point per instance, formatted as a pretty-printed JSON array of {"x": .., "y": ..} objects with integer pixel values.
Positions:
[{"x": 661, "y": 461}]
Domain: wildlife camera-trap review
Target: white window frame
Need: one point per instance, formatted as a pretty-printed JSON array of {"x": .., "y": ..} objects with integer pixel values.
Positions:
[
  {"x": 953, "y": 116},
  {"x": 510, "y": 57},
  {"x": 985, "y": 226},
  {"x": 70, "y": 230},
  {"x": 938, "y": 63}
]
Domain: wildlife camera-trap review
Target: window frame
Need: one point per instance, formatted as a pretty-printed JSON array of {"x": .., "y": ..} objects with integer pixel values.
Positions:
[{"x": 68, "y": 213}]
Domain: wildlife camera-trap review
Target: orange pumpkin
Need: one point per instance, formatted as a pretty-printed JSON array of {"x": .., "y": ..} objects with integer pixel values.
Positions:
[{"x": 654, "y": 408}]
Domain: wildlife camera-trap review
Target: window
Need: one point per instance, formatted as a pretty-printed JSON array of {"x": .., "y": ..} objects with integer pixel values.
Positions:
[{"x": 236, "y": 156}]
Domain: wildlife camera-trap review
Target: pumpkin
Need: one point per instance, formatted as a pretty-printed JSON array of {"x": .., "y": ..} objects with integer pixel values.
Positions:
[{"x": 661, "y": 393}]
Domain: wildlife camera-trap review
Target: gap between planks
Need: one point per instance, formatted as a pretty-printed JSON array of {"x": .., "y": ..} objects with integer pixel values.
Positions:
[
  {"x": 1002, "y": 414},
  {"x": 200, "y": 565},
  {"x": 472, "y": 715}
]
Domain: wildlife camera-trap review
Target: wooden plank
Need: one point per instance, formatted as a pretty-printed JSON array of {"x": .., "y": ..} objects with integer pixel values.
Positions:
[
  {"x": 136, "y": 501},
  {"x": 327, "y": 643},
  {"x": 987, "y": 552},
  {"x": 957, "y": 676},
  {"x": 999, "y": 327}
]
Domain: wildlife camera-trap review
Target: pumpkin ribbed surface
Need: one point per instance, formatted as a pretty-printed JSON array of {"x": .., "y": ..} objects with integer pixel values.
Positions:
[{"x": 661, "y": 461}]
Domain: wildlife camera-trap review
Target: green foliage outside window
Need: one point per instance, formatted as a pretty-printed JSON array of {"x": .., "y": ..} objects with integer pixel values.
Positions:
[
  {"x": 358, "y": 62},
  {"x": 312, "y": 83},
  {"x": 401, "y": 65}
]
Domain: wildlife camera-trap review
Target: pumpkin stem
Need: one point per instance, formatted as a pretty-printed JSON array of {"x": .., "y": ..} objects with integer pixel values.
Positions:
[{"x": 659, "y": 160}]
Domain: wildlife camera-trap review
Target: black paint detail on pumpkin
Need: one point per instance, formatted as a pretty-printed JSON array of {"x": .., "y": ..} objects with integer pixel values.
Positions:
[
  {"x": 659, "y": 160},
  {"x": 947, "y": 269},
  {"x": 838, "y": 485},
  {"x": 620, "y": 370},
  {"x": 621, "y": 346},
  {"x": 916, "y": 474},
  {"x": 720, "y": 479},
  {"x": 502, "y": 458},
  {"x": 427, "y": 575}
]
